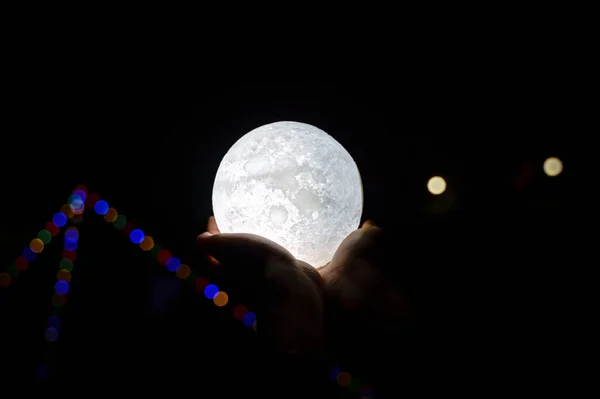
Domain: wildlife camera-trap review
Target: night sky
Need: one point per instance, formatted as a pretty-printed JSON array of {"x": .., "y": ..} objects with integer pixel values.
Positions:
[{"x": 482, "y": 261}]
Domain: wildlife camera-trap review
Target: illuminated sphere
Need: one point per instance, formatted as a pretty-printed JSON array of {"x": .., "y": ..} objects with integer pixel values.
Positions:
[{"x": 291, "y": 183}]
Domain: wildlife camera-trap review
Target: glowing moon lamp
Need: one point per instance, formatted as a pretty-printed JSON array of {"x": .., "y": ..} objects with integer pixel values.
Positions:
[{"x": 292, "y": 183}]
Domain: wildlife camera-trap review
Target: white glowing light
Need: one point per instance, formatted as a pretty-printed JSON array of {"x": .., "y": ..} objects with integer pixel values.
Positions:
[
  {"x": 436, "y": 185},
  {"x": 293, "y": 184}
]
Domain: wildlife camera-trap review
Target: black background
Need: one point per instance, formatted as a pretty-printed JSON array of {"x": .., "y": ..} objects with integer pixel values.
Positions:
[{"x": 482, "y": 262}]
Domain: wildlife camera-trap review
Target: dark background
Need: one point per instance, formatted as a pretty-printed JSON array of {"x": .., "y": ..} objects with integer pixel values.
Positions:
[{"x": 482, "y": 262}]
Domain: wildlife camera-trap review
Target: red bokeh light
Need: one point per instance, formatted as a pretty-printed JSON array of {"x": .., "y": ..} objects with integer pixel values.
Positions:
[
  {"x": 163, "y": 256},
  {"x": 239, "y": 312},
  {"x": 52, "y": 228},
  {"x": 69, "y": 255},
  {"x": 21, "y": 263},
  {"x": 201, "y": 283}
]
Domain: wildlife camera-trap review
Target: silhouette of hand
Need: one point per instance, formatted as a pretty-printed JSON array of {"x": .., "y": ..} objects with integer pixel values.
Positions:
[{"x": 304, "y": 310}]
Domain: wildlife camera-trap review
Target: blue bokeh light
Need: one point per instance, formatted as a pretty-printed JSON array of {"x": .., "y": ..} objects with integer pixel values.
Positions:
[
  {"x": 333, "y": 374},
  {"x": 210, "y": 291},
  {"x": 70, "y": 244},
  {"x": 76, "y": 203},
  {"x": 72, "y": 234},
  {"x": 59, "y": 219},
  {"x": 136, "y": 236},
  {"x": 81, "y": 194},
  {"x": 249, "y": 319},
  {"x": 101, "y": 207},
  {"x": 28, "y": 254},
  {"x": 51, "y": 334},
  {"x": 54, "y": 321},
  {"x": 61, "y": 287},
  {"x": 173, "y": 265}
]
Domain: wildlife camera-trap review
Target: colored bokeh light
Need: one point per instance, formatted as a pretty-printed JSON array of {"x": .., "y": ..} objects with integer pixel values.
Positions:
[
  {"x": 36, "y": 245},
  {"x": 21, "y": 263},
  {"x": 221, "y": 299},
  {"x": 64, "y": 274},
  {"x": 183, "y": 272},
  {"x": 81, "y": 193},
  {"x": 91, "y": 200},
  {"x": 45, "y": 236},
  {"x": 173, "y": 264},
  {"x": 12, "y": 270},
  {"x": 5, "y": 279},
  {"x": 67, "y": 211},
  {"x": 136, "y": 236},
  {"x": 54, "y": 321},
  {"x": 52, "y": 228},
  {"x": 249, "y": 319},
  {"x": 101, "y": 207},
  {"x": 59, "y": 300},
  {"x": 210, "y": 291},
  {"x": 28, "y": 254},
  {"x": 333, "y": 374},
  {"x": 239, "y": 312},
  {"x": 164, "y": 256},
  {"x": 72, "y": 233},
  {"x": 344, "y": 378},
  {"x": 61, "y": 287},
  {"x": 66, "y": 264},
  {"x": 147, "y": 243},
  {"x": 111, "y": 215},
  {"x": 70, "y": 244},
  {"x": 201, "y": 284},
  {"x": 51, "y": 334},
  {"x": 120, "y": 222},
  {"x": 59, "y": 219}
]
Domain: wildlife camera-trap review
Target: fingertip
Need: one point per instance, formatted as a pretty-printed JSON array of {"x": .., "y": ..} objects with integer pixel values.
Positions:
[
  {"x": 211, "y": 225},
  {"x": 369, "y": 223}
]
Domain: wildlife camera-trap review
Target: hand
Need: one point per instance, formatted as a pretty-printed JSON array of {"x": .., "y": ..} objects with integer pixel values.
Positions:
[{"x": 349, "y": 303}]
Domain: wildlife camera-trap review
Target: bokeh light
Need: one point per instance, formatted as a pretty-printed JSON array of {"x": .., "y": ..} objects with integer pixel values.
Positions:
[
  {"x": 66, "y": 264},
  {"x": 12, "y": 270},
  {"x": 101, "y": 207},
  {"x": 120, "y": 222},
  {"x": 54, "y": 321},
  {"x": 52, "y": 228},
  {"x": 72, "y": 233},
  {"x": 210, "y": 291},
  {"x": 201, "y": 283},
  {"x": 61, "y": 287},
  {"x": 344, "y": 378},
  {"x": 183, "y": 272},
  {"x": 70, "y": 244},
  {"x": 45, "y": 236},
  {"x": 92, "y": 199},
  {"x": 21, "y": 263},
  {"x": 553, "y": 166},
  {"x": 81, "y": 192},
  {"x": 249, "y": 319},
  {"x": 59, "y": 219},
  {"x": 163, "y": 257},
  {"x": 147, "y": 243},
  {"x": 67, "y": 211},
  {"x": 173, "y": 264},
  {"x": 51, "y": 334},
  {"x": 28, "y": 254},
  {"x": 69, "y": 255},
  {"x": 111, "y": 215},
  {"x": 239, "y": 312},
  {"x": 59, "y": 300},
  {"x": 36, "y": 245},
  {"x": 5, "y": 279},
  {"x": 221, "y": 299},
  {"x": 136, "y": 236},
  {"x": 333, "y": 374},
  {"x": 436, "y": 185},
  {"x": 64, "y": 274}
]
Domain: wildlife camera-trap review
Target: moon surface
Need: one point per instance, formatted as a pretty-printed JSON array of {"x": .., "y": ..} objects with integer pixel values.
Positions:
[{"x": 292, "y": 183}]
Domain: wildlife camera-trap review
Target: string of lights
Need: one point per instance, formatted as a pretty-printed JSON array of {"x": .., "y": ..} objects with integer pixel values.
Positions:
[{"x": 72, "y": 213}]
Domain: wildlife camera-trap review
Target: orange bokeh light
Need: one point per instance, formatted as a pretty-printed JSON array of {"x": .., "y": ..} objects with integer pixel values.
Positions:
[
  {"x": 147, "y": 244},
  {"x": 183, "y": 272},
  {"x": 36, "y": 245},
  {"x": 221, "y": 299},
  {"x": 64, "y": 274}
]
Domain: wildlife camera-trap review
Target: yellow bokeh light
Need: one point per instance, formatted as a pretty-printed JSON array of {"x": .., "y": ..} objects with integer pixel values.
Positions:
[
  {"x": 64, "y": 274},
  {"x": 111, "y": 215},
  {"x": 36, "y": 245},
  {"x": 183, "y": 272},
  {"x": 436, "y": 185},
  {"x": 344, "y": 379},
  {"x": 147, "y": 243},
  {"x": 66, "y": 209},
  {"x": 553, "y": 166},
  {"x": 221, "y": 299}
]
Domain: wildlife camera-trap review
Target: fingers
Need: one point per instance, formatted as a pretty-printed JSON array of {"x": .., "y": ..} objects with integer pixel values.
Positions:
[
  {"x": 211, "y": 226},
  {"x": 369, "y": 223}
]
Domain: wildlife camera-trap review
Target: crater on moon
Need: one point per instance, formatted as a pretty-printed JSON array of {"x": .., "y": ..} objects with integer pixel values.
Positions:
[{"x": 291, "y": 183}]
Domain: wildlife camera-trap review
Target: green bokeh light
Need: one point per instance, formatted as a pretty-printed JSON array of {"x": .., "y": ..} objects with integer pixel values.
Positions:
[
  {"x": 120, "y": 222},
  {"x": 45, "y": 236},
  {"x": 66, "y": 264}
]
